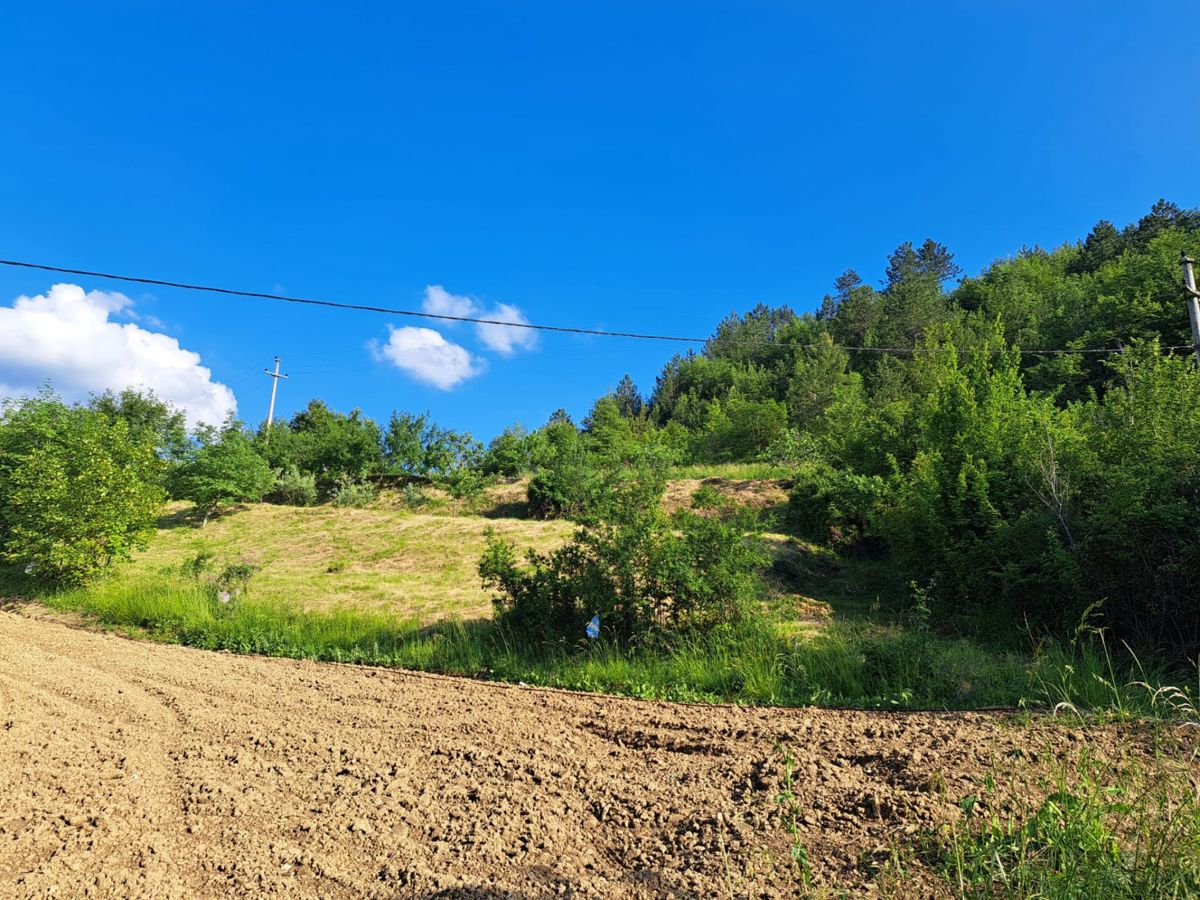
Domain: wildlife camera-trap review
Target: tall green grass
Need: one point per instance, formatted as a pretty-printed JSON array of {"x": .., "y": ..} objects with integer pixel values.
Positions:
[
  {"x": 847, "y": 664},
  {"x": 1125, "y": 831}
]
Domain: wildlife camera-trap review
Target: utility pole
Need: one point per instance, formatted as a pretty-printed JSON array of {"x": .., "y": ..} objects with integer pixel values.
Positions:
[
  {"x": 275, "y": 376},
  {"x": 1193, "y": 300}
]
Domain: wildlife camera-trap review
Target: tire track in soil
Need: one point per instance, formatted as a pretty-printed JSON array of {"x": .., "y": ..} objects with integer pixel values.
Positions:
[{"x": 131, "y": 768}]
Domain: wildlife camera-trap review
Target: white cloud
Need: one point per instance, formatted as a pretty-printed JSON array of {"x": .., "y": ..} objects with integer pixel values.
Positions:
[
  {"x": 503, "y": 339},
  {"x": 439, "y": 301},
  {"x": 427, "y": 356},
  {"x": 67, "y": 337}
]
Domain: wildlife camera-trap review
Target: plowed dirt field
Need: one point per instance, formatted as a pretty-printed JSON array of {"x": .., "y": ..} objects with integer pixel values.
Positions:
[{"x": 135, "y": 769}]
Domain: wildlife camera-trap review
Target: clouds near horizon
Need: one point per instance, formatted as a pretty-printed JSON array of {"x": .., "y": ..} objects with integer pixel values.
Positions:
[{"x": 68, "y": 338}]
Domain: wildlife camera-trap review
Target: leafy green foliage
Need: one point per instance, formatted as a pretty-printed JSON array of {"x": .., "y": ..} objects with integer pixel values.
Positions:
[
  {"x": 1134, "y": 492},
  {"x": 833, "y": 506},
  {"x": 413, "y": 445},
  {"x": 224, "y": 585},
  {"x": 328, "y": 444},
  {"x": 1129, "y": 833},
  {"x": 351, "y": 493},
  {"x": 145, "y": 414},
  {"x": 224, "y": 469},
  {"x": 1012, "y": 488},
  {"x": 510, "y": 454},
  {"x": 78, "y": 488},
  {"x": 295, "y": 488},
  {"x": 639, "y": 570}
]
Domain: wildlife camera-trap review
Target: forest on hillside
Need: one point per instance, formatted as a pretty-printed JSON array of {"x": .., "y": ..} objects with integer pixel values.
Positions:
[{"x": 933, "y": 420}]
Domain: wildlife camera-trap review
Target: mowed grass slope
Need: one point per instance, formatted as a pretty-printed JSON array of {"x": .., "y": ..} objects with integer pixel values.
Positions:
[
  {"x": 415, "y": 566},
  {"x": 390, "y": 585}
]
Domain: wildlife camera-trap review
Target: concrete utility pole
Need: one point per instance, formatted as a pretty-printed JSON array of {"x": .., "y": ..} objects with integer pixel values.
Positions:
[
  {"x": 275, "y": 376},
  {"x": 1193, "y": 300}
]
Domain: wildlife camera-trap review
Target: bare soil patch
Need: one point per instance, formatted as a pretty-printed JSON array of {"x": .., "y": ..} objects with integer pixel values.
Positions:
[
  {"x": 759, "y": 494},
  {"x": 134, "y": 769}
]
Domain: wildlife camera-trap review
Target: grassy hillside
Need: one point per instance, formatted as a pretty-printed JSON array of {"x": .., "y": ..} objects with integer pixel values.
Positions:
[
  {"x": 416, "y": 566},
  {"x": 392, "y": 586}
]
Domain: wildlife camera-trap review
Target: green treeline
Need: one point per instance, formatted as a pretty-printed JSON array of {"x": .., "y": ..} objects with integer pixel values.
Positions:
[
  {"x": 1010, "y": 487},
  {"x": 1015, "y": 490}
]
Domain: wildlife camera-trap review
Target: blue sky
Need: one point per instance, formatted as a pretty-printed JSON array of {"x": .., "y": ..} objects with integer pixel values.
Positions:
[{"x": 636, "y": 166}]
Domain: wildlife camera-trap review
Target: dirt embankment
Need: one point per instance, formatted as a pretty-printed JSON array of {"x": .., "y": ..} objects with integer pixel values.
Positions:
[{"x": 132, "y": 769}]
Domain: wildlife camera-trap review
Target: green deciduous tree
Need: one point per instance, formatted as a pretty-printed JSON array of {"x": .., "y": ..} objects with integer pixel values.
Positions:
[
  {"x": 414, "y": 445},
  {"x": 224, "y": 469},
  {"x": 78, "y": 488}
]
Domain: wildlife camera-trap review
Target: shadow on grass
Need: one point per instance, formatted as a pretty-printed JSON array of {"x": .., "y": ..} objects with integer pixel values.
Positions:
[
  {"x": 193, "y": 517},
  {"x": 510, "y": 509},
  {"x": 860, "y": 585}
]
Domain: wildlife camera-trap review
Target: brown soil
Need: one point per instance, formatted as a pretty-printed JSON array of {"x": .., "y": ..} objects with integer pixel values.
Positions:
[{"x": 135, "y": 769}]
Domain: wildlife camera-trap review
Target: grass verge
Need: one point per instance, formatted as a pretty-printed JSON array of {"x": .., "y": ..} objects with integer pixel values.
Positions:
[
  {"x": 846, "y": 664},
  {"x": 1130, "y": 830}
]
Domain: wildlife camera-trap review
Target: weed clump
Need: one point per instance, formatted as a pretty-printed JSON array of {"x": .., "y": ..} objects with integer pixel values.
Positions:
[
  {"x": 352, "y": 493},
  {"x": 222, "y": 585},
  {"x": 295, "y": 488},
  {"x": 1093, "y": 832}
]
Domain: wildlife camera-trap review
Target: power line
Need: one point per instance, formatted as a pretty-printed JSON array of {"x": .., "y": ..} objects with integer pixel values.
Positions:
[
  {"x": 158, "y": 282},
  {"x": 561, "y": 329}
]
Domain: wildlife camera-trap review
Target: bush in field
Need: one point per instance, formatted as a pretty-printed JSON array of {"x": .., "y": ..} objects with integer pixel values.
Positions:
[
  {"x": 350, "y": 493},
  {"x": 223, "y": 585},
  {"x": 224, "y": 469},
  {"x": 78, "y": 489},
  {"x": 574, "y": 471},
  {"x": 640, "y": 570},
  {"x": 466, "y": 484},
  {"x": 565, "y": 481},
  {"x": 567, "y": 488},
  {"x": 295, "y": 488}
]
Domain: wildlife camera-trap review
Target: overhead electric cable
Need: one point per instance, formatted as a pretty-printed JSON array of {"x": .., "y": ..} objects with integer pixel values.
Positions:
[{"x": 562, "y": 329}]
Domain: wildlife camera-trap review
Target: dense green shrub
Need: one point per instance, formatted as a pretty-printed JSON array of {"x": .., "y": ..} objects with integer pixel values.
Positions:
[
  {"x": 78, "y": 489},
  {"x": 568, "y": 487},
  {"x": 740, "y": 429},
  {"x": 639, "y": 570},
  {"x": 510, "y": 454},
  {"x": 834, "y": 506},
  {"x": 145, "y": 414},
  {"x": 466, "y": 484},
  {"x": 351, "y": 493},
  {"x": 413, "y": 445},
  {"x": 295, "y": 488},
  {"x": 1133, "y": 500},
  {"x": 325, "y": 443}
]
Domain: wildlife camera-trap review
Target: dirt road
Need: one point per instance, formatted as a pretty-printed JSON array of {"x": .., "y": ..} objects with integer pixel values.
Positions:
[{"x": 132, "y": 769}]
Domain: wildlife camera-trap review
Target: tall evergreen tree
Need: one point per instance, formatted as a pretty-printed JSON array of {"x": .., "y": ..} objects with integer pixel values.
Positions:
[{"x": 629, "y": 400}]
